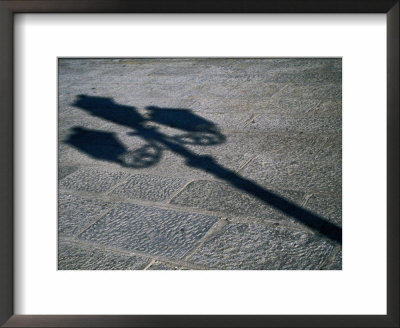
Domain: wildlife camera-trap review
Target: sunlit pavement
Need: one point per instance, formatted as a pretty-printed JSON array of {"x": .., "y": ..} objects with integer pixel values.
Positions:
[{"x": 200, "y": 164}]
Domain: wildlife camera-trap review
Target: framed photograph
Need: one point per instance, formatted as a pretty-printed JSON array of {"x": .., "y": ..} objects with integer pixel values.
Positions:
[{"x": 206, "y": 164}]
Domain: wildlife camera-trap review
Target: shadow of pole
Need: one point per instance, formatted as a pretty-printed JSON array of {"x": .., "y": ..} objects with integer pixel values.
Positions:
[
  {"x": 185, "y": 120},
  {"x": 208, "y": 164}
]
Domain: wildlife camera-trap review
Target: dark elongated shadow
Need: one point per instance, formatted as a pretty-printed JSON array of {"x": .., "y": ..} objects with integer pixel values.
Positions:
[
  {"x": 199, "y": 131},
  {"x": 97, "y": 144}
]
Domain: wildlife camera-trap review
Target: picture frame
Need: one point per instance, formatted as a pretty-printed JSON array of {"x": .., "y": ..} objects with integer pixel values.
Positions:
[{"x": 10, "y": 7}]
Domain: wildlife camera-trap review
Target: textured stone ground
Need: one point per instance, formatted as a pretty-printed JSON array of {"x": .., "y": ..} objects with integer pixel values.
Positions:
[{"x": 200, "y": 164}]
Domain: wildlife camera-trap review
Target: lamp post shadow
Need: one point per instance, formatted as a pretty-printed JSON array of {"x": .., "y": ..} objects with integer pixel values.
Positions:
[{"x": 105, "y": 146}]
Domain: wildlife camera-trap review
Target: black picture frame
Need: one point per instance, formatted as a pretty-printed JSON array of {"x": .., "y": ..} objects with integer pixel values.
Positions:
[{"x": 10, "y": 7}]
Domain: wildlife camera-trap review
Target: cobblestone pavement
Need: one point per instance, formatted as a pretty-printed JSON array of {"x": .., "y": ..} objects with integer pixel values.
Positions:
[{"x": 169, "y": 164}]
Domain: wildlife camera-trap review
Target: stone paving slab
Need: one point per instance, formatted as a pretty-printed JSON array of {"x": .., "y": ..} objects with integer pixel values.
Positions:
[
  {"x": 317, "y": 91},
  {"x": 272, "y": 147},
  {"x": 75, "y": 256},
  {"x": 273, "y": 123},
  {"x": 220, "y": 92},
  {"x": 317, "y": 176},
  {"x": 327, "y": 74},
  {"x": 258, "y": 247},
  {"x": 288, "y": 103},
  {"x": 148, "y": 187},
  {"x": 75, "y": 212},
  {"x": 151, "y": 230},
  {"x": 221, "y": 197},
  {"x": 91, "y": 180}
]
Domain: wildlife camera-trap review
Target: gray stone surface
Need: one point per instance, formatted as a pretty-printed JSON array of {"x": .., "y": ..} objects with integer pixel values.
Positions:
[
  {"x": 258, "y": 247},
  {"x": 221, "y": 197},
  {"x": 164, "y": 266},
  {"x": 307, "y": 91},
  {"x": 148, "y": 187},
  {"x": 293, "y": 104},
  {"x": 92, "y": 180},
  {"x": 148, "y": 229},
  {"x": 337, "y": 261},
  {"x": 274, "y": 123},
  {"x": 317, "y": 176},
  {"x": 312, "y": 71},
  {"x": 330, "y": 107},
  {"x": 249, "y": 90},
  {"x": 329, "y": 206},
  {"x": 63, "y": 171},
  {"x": 272, "y": 147},
  {"x": 75, "y": 256},
  {"x": 173, "y": 165},
  {"x": 331, "y": 150},
  {"x": 137, "y": 130},
  {"x": 75, "y": 212}
]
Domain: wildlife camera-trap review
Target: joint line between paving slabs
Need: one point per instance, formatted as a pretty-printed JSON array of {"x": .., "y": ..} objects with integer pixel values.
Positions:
[
  {"x": 98, "y": 218},
  {"x": 280, "y": 90},
  {"x": 312, "y": 108},
  {"x": 87, "y": 244},
  {"x": 307, "y": 198},
  {"x": 129, "y": 253},
  {"x": 275, "y": 93},
  {"x": 241, "y": 168},
  {"x": 321, "y": 147},
  {"x": 168, "y": 201},
  {"x": 109, "y": 191},
  {"x": 149, "y": 264},
  {"x": 329, "y": 261},
  {"x": 217, "y": 226},
  {"x": 248, "y": 121}
]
